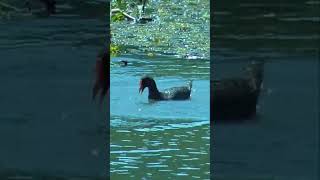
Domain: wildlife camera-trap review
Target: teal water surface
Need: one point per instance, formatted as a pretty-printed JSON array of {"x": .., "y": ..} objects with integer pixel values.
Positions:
[{"x": 159, "y": 139}]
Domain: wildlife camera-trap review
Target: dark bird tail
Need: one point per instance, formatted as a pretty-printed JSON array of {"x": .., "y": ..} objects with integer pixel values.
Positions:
[
  {"x": 255, "y": 72},
  {"x": 190, "y": 84}
]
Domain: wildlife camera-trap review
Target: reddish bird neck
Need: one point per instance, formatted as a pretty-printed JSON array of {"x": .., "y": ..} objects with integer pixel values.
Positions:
[{"x": 100, "y": 74}]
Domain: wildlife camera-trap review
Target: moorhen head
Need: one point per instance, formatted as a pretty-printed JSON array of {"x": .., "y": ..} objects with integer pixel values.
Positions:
[
  {"x": 147, "y": 82},
  {"x": 174, "y": 93}
]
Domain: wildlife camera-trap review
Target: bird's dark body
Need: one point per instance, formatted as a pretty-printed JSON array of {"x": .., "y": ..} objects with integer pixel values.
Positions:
[
  {"x": 236, "y": 99},
  {"x": 174, "y": 93},
  {"x": 123, "y": 63}
]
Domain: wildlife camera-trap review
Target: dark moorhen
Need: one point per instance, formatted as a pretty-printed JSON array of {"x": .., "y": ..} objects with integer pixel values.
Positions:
[
  {"x": 102, "y": 82},
  {"x": 235, "y": 99},
  {"x": 123, "y": 63},
  {"x": 175, "y": 93}
]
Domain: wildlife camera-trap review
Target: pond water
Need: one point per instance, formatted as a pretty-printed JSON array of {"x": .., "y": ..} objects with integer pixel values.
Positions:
[
  {"x": 282, "y": 141},
  {"x": 167, "y": 139},
  {"x": 47, "y": 118},
  {"x": 159, "y": 139}
]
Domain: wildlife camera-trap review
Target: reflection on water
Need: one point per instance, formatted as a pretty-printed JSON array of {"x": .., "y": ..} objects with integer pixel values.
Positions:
[{"x": 282, "y": 142}]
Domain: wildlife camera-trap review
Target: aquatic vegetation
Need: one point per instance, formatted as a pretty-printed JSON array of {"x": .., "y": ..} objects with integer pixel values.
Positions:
[
  {"x": 180, "y": 29},
  {"x": 121, "y": 4},
  {"x": 115, "y": 50},
  {"x": 129, "y": 9},
  {"x": 117, "y": 17}
]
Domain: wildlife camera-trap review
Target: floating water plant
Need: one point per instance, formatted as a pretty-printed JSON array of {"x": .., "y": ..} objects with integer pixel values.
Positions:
[
  {"x": 117, "y": 17},
  {"x": 115, "y": 50},
  {"x": 174, "y": 31},
  {"x": 150, "y": 54}
]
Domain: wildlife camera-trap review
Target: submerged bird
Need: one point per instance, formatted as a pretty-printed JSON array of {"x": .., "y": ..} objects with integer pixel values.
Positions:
[
  {"x": 175, "y": 93},
  {"x": 236, "y": 98},
  {"x": 102, "y": 82},
  {"x": 123, "y": 63}
]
